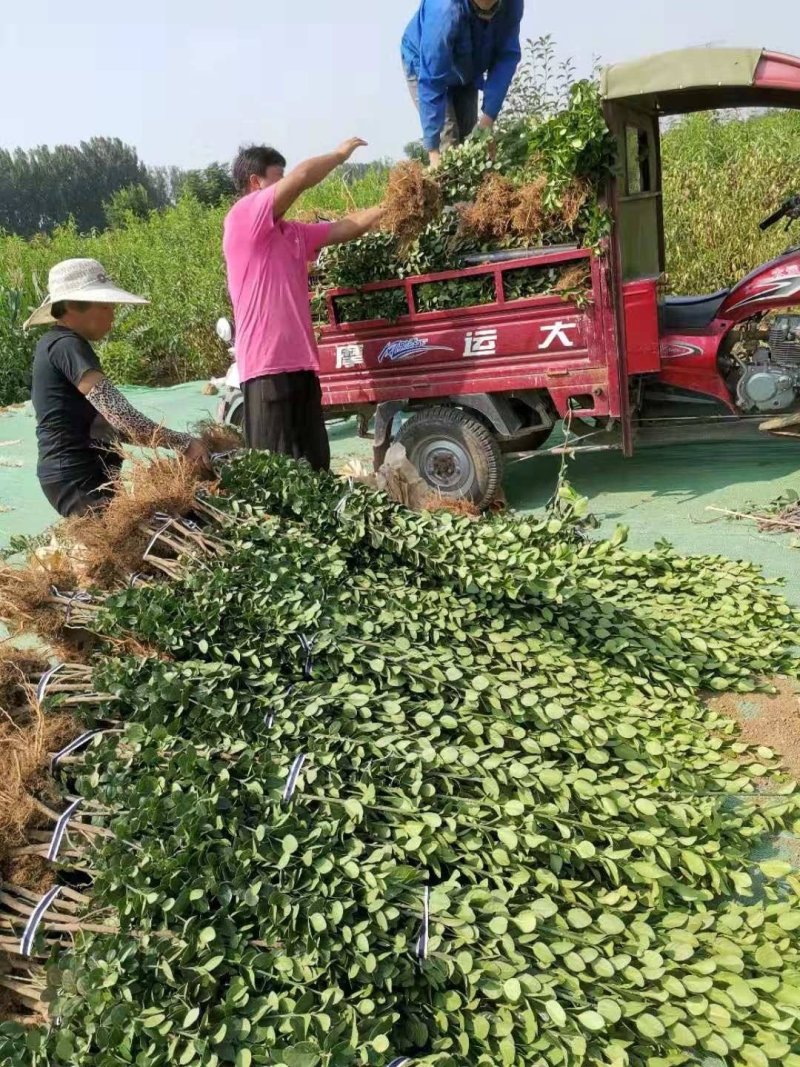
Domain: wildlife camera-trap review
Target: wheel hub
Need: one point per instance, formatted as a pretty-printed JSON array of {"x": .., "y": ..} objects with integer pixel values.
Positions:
[{"x": 445, "y": 466}]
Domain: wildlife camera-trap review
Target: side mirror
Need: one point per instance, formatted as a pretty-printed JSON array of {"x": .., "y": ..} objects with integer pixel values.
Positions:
[{"x": 224, "y": 331}]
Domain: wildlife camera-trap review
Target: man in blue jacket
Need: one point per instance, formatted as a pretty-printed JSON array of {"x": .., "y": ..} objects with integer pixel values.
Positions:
[{"x": 452, "y": 50}]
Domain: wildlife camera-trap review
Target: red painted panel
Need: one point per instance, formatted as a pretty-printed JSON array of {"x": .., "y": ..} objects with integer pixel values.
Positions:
[
  {"x": 537, "y": 343},
  {"x": 778, "y": 71},
  {"x": 641, "y": 326}
]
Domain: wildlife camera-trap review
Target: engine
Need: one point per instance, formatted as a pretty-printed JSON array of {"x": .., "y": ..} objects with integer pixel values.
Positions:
[{"x": 767, "y": 371}]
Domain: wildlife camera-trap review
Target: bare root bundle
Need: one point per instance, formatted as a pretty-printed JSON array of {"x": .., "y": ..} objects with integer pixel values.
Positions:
[
  {"x": 18, "y": 669},
  {"x": 29, "y": 871},
  {"x": 530, "y": 218},
  {"x": 28, "y": 738},
  {"x": 461, "y": 508},
  {"x": 26, "y": 598},
  {"x": 218, "y": 437},
  {"x": 573, "y": 200},
  {"x": 22, "y": 990},
  {"x": 413, "y": 199},
  {"x": 575, "y": 279},
  {"x": 113, "y": 542},
  {"x": 489, "y": 217}
]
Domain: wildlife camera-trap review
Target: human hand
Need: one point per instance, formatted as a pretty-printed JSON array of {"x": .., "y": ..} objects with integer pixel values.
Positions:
[
  {"x": 435, "y": 158},
  {"x": 346, "y": 148}
]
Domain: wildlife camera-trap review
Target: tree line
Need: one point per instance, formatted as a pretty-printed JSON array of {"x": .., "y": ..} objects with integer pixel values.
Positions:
[
  {"x": 100, "y": 183},
  {"x": 96, "y": 184}
]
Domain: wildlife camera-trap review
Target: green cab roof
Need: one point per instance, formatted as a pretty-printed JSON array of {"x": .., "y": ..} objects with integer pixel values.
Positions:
[{"x": 700, "y": 79}]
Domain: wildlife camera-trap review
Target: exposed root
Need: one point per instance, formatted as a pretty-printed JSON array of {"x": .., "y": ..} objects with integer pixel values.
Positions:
[
  {"x": 28, "y": 737},
  {"x": 530, "y": 218},
  {"x": 217, "y": 436},
  {"x": 413, "y": 199},
  {"x": 30, "y": 872},
  {"x": 26, "y": 601},
  {"x": 573, "y": 200},
  {"x": 462, "y": 508},
  {"x": 489, "y": 218},
  {"x": 575, "y": 281},
  {"x": 18, "y": 668},
  {"x": 113, "y": 542}
]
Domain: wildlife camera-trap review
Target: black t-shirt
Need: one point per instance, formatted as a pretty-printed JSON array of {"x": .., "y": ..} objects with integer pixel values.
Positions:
[{"x": 66, "y": 423}]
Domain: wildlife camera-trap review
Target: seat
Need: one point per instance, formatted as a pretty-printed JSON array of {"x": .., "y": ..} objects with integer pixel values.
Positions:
[{"x": 690, "y": 312}]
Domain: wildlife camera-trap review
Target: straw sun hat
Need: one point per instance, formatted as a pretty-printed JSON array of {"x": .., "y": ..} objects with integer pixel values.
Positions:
[{"x": 79, "y": 279}]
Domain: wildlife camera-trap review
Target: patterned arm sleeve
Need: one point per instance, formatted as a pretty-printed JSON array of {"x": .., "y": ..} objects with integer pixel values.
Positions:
[{"x": 123, "y": 416}]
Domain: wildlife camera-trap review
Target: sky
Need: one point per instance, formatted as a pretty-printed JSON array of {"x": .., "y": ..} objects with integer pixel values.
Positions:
[{"x": 187, "y": 81}]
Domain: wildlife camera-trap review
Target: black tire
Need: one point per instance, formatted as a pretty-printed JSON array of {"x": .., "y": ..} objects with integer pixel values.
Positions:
[
  {"x": 236, "y": 417},
  {"x": 454, "y": 453}
]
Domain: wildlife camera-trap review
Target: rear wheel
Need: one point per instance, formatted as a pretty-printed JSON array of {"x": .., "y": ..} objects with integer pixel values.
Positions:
[
  {"x": 236, "y": 417},
  {"x": 454, "y": 453}
]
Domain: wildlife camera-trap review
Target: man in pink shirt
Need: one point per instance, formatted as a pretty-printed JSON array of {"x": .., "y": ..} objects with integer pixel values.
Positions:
[{"x": 267, "y": 260}]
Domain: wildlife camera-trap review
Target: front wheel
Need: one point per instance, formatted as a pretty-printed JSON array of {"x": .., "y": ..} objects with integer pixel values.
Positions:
[{"x": 454, "y": 453}]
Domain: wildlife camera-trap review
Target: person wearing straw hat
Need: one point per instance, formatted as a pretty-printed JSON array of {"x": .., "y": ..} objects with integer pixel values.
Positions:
[{"x": 79, "y": 413}]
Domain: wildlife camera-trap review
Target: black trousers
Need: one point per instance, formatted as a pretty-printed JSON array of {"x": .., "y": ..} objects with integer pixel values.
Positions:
[
  {"x": 283, "y": 414},
  {"x": 79, "y": 496}
]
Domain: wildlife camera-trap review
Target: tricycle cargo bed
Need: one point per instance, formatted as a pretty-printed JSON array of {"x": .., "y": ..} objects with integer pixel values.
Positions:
[{"x": 560, "y": 340}]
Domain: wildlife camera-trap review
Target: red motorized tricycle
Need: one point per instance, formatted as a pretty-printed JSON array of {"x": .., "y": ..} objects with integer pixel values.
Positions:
[{"x": 460, "y": 388}]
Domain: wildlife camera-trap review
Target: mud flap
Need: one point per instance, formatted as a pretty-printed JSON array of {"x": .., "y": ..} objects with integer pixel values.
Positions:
[{"x": 384, "y": 420}]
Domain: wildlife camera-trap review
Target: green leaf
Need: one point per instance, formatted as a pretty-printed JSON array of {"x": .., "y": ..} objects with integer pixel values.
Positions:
[
  {"x": 609, "y": 1009},
  {"x": 556, "y": 1012},
  {"x": 579, "y": 919},
  {"x": 776, "y": 868},
  {"x": 753, "y": 1056},
  {"x": 592, "y": 1020},
  {"x": 611, "y": 924},
  {"x": 649, "y": 1026},
  {"x": 190, "y": 1018},
  {"x": 213, "y": 963},
  {"x": 512, "y": 989},
  {"x": 767, "y": 956},
  {"x": 526, "y": 921}
]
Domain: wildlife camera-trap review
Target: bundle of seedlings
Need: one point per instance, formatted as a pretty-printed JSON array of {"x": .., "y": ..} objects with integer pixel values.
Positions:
[
  {"x": 420, "y": 789},
  {"x": 413, "y": 199},
  {"x": 527, "y": 185}
]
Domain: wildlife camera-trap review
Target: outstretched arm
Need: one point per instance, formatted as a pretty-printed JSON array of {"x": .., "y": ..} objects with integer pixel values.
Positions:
[
  {"x": 354, "y": 226},
  {"x": 312, "y": 172},
  {"x": 131, "y": 424}
]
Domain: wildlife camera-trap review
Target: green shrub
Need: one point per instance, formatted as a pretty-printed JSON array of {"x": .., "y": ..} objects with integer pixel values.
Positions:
[
  {"x": 15, "y": 355},
  {"x": 722, "y": 176},
  {"x": 172, "y": 257}
]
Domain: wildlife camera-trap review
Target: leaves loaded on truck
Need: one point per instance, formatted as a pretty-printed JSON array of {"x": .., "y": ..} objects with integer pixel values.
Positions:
[{"x": 535, "y": 182}]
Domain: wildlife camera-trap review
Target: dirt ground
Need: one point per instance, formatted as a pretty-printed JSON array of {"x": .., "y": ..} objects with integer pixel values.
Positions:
[{"x": 773, "y": 721}]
